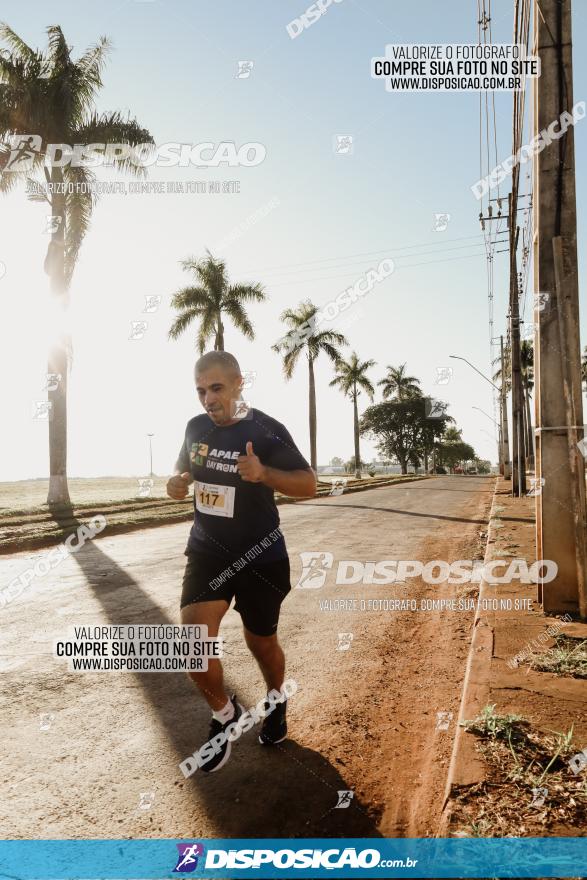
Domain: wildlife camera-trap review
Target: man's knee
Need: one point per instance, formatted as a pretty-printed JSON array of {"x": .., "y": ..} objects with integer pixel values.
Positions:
[
  {"x": 263, "y": 647},
  {"x": 207, "y": 614}
]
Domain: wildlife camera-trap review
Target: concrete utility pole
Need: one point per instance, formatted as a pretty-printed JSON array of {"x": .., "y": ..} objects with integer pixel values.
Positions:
[
  {"x": 507, "y": 472},
  {"x": 560, "y": 466},
  {"x": 518, "y": 439}
]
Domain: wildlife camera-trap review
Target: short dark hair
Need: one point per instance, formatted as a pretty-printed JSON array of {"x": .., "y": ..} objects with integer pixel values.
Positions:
[{"x": 222, "y": 359}]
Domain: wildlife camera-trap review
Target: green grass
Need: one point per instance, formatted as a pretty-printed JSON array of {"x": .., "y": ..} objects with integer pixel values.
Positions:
[
  {"x": 489, "y": 723},
  {"x": 520, "y": 759},
  {"x": 567, "y": 657}
]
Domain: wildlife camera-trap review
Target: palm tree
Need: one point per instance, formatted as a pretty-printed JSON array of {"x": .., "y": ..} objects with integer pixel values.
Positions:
[
  {"x": 452, "y": 435},
  {"x": 397, "y": 384},
  {"x": 351, "y": 377},
  {"x": 49, "y": 98},
  {"x": 210, "y": 299},
  {"x": 584, "y": 369},
  {"x": 297, "y": 341}
]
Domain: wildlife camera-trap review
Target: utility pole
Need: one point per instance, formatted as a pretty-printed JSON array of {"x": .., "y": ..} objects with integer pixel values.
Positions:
[
  {"x": 560, "y": 466},
  {"x": 518, "y": 439},
  {"x": 504, "y": 418},
  {"x": 150, "y": 436}
]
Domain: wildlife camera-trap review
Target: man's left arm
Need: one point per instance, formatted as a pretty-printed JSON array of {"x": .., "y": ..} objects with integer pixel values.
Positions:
[{"x": 298, "y": 483}]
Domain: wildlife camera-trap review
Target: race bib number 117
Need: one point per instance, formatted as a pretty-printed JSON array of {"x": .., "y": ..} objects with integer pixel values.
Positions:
[{"x": 214, "y": 500}]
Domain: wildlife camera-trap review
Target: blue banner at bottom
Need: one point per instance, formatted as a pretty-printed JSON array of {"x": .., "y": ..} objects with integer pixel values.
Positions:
[{"x": 351, "y": 857}]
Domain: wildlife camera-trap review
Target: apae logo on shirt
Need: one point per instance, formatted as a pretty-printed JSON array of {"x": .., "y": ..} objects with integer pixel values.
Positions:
[
  {"x": 198, "y": 453},
  {"x": 223, "y": 460},
  {"x": 216, "y": 459}
]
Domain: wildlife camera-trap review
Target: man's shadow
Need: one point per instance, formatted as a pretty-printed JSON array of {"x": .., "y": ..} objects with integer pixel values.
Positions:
[{"x": 284, "y": 791}]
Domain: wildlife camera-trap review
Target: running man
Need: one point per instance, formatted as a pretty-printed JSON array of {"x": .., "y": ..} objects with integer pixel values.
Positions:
[{"x": 235, "y": 547}]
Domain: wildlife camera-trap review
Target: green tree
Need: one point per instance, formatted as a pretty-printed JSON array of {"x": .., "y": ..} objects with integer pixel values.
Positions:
[
  {"x": 433, "y": 431},
  {"x": 455, "y": 453},
  {"x": 399, "y": 427},
  {"x": 351, "y": 378},
  {"x": 452, "y": 435},
  {"x": 209, "y": 299},
  {"x": 50, "y": 96},
  {"x": 311, "y": 344},
  {"x": 397, "y": 384}
]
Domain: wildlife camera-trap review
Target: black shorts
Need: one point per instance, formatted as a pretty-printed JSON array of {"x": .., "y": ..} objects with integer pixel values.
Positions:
[{"x": 259, "y": 590}]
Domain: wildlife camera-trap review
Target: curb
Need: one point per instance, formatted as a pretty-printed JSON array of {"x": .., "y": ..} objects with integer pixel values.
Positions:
[{"x": 466, "y": 767}]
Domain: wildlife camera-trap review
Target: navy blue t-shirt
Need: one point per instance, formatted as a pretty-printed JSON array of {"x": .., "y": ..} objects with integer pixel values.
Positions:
[{"x": 233, "y": 517}]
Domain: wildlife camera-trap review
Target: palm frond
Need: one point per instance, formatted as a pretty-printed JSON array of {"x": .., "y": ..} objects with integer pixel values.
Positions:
[
  {"x": 78, "y": 212},
  {"x": 182, "y": 322},
  {"x": 58, "y": 48},
  {"x": 92, "y": 61},
  {"x": 246, "y": 293},
  {"x": 240, "y": 319},
  {"x": 328, "y": 349},
  {"x": 192, "y": 298},
  {"x": 212, "y": 274},
  {"x": 290, "y": 361},
  {"x": 19, "y": 48},
  {"x": 113, "y": 128}
]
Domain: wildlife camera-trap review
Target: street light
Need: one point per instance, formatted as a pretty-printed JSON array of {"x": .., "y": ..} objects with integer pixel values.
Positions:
[
  {"x": 150, "y": 454},
  {"x": 486, "y": 414},
  {"x": 458, "y": 358}
]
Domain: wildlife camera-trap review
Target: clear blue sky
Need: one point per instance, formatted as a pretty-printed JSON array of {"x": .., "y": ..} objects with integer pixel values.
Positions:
[{"x": 173, "y": 67}]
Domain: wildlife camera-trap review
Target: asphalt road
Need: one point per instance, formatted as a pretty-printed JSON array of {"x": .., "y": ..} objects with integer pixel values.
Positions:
[{"x": 96, "y": 754}]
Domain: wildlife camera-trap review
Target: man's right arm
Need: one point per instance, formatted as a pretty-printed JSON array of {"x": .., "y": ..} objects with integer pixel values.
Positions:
[{"x": 177, "y": 485}]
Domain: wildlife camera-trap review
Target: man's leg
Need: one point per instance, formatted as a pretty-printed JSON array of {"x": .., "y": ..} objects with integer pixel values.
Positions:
[
  {"x": 211, "y": 682},
  {"x": 269, "y": 655}
]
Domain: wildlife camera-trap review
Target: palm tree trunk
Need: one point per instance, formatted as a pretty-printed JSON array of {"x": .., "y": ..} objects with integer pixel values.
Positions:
[
  {"x": 219, "y": 340},
  {"x": 356, "y": 426},
  {"x": 313, "y": 423},
  {"x": 58, "y": 494}
]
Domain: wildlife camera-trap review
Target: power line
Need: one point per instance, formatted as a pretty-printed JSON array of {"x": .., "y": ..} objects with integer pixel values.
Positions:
[
  {"x": 401, "y": 257},
  {"x": 365, "y": 253},
  {"x": 409, "y": 266}
]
